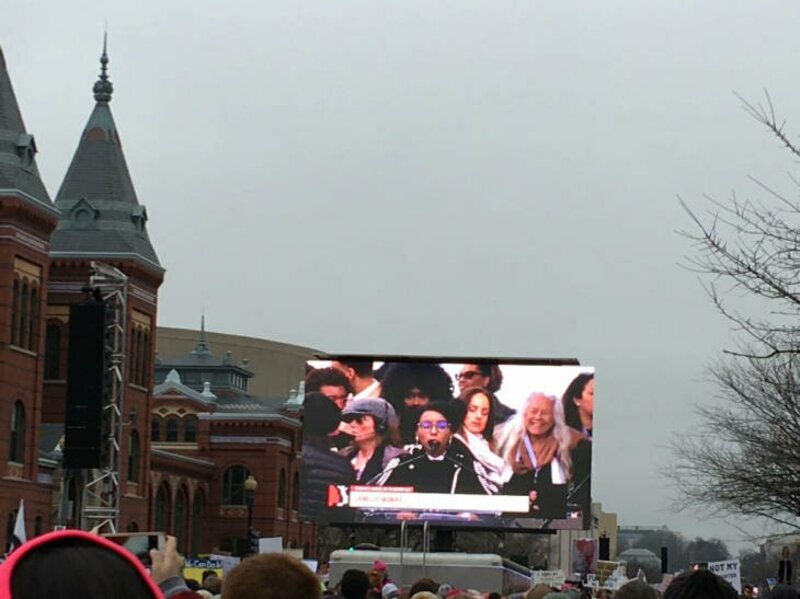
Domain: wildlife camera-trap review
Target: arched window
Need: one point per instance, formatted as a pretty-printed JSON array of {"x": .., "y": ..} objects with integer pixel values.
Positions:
[
  {"x": 155, "y": 430},
  {"x": 197, "y": 523},
  {"x": 133, "y": 362},
  {"x": 296, "y": 491},
  {"x": 161, "y": 516},
  {"x": 233, "y": 485},
  {"x": 33, "y": 323},
  {"x": 190, "y": 429},
  {"x": 172, "y": 430},
  {"x": 24, "y": 314},
  {"x": 52, "y": 351},
  {"x": 144, "y": 359},
  {"x": 16, "y": 451},
  {"x": 15, "y": 316},
  {"x": 179, "y": 525},
  {"x": 282, "y": 489},
  {"x": 133, "y": 457}
]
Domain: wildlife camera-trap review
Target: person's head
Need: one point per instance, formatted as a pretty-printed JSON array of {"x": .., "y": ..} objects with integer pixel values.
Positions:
[
  {"x": 539, "y": 414},
  {"x": 331, "y": 383},
  {"x": 747, "y": 590},
  {"x": 213, "y": 583},
  {"x": 408, "y": 386},
  {"x": 538, "y": 591},
  {"x": 540, "y": 417},
  {"x": 636, "y": 589},
  {"x": 424, "y": 585},
  {"x": 698, "y": 583},
  {"x": 321, "y": 417},
  {"x": 435, "y": 428},
  {"x": 370, "y": 419},
  {"x": 479, "y": 418},
  {"x": 604, "y": 594},
  {"x": 785, "y": 553},
  {"x": 486, "y": 376},
  {"x": 354, "y": 585},
  {"x": 271, "y": 576},
  {"x": 390, "y": 591},
  {"x": 354, "y": 370},
  {"x": 578, "y": 401},
  {"x": 207, "y": 573},
  {"x": 78, "y": 564}
]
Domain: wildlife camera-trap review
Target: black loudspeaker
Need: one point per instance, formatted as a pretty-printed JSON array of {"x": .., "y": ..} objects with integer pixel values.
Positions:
[
  {"x": 664, "y": 562},
  {"x": 86, "y": 376},
  {"x": 605, "y": 548}
]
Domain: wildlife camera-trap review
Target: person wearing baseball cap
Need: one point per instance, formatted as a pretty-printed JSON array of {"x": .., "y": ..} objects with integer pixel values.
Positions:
[{"x": 373, "y": 425}]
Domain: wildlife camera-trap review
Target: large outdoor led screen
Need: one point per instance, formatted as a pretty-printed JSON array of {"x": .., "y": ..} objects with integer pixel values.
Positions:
[{"x": 478, "y": 443}]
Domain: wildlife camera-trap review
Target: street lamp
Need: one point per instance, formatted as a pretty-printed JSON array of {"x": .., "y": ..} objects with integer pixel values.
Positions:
[{"x": 250, "y": 486}]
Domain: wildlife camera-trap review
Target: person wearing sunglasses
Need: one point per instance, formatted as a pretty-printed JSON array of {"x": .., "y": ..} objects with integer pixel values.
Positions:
[
  {"x": 489, "y": 377},
  {"x": 441, "y": 464},
  {"x": 372, "y": 423}
]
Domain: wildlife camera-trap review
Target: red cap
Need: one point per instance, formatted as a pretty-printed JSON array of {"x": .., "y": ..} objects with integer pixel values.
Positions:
[{"x": 7, "y": 567}]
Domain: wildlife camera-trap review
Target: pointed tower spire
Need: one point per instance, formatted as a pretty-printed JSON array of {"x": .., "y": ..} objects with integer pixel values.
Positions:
[
  {"x": 103, "y": 87},
  {"x": 202, "y": 346},
  {"x": 19, "y": 175},
  {"x": 101, "y": 217}
]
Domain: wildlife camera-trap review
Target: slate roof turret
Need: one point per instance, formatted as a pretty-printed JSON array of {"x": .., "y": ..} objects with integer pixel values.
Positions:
[
  {"x": 101, "y": 217},
  {"x": 19, "y": 175}
]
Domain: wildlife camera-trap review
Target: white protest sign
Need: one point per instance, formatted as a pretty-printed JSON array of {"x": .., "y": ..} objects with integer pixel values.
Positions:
[
  {"x": 552, "y": 578},
  {"x": 311, "y": 564},
  {"x": 728, "y": 570},
  {"x": 270, "y": 545},
  {"x": 228, "y": 562}
]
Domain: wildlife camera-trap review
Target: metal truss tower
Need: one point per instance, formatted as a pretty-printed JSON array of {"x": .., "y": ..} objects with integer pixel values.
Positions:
[{"x": 101, "y": 493}]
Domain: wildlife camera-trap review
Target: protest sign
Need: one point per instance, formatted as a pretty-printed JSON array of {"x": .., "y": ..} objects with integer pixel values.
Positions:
[
  {"x": 552, "y": 578},
  {"x": 270, "y": 545},
  {"x": 227, "y": 562},
  {"x": 728, "y": 570},
  {"x": 584, "y": 553},
  {"x": 604, "y": 570}
]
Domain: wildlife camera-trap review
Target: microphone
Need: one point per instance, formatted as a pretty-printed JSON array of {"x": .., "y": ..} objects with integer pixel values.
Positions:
[
  {"x": 434, "y": 445},
  {"x": 400, "y": 462}
]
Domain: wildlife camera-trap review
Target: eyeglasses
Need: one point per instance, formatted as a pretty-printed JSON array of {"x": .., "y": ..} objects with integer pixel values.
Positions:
[
  {"x": 336, "y": 398},
  {"x": 429, "y": 424},
  {"x": 467, "y": 375},
  {"x": 354, "y": 418}
]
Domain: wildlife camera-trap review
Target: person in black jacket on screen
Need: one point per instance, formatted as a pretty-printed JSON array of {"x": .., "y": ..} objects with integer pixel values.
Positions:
[{"x": 321, "y": 466}]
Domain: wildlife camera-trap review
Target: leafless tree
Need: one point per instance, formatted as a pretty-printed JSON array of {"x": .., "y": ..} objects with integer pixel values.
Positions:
[{"x": 745, "y": 458}]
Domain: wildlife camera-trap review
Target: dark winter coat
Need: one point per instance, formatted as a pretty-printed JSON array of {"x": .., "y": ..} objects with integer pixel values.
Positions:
[{"x": 321, "y": 467}]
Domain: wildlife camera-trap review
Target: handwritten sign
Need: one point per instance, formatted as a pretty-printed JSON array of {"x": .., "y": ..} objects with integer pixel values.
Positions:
[
  {"x": 552, "y": 578},
  {"x": 728, "y": 570},
  {"x": 604, "y": 570}
]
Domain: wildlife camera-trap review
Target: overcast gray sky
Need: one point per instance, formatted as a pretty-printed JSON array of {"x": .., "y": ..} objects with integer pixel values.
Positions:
[{"x": 450, "y": 177}]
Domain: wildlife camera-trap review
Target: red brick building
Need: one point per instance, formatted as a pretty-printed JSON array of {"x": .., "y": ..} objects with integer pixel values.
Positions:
[{"x": 186, "y": 450}]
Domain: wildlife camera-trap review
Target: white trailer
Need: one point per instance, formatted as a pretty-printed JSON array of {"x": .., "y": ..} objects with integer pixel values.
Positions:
[{"x": 485, "y": 572}]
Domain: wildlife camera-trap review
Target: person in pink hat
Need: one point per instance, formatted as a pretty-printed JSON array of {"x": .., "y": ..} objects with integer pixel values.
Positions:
[{"x": 74, "y": 563}]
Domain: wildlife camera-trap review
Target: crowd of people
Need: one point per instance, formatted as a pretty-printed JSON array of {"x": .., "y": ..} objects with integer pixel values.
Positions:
[
  {"x": 411, "y": 424},
  {"x": 72, "y": 563}
]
